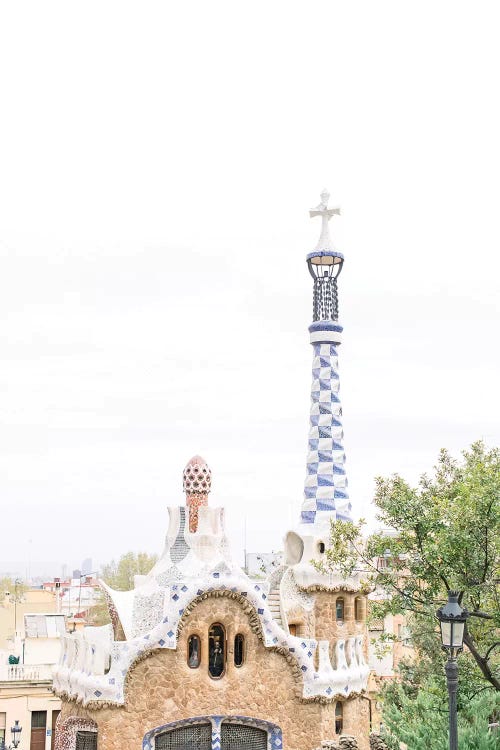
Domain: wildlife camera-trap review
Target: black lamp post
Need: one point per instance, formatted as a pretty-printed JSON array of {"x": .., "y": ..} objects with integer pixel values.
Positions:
[
  {"x": 452, "y": 619},
  {"x": 16, "y": 737}
]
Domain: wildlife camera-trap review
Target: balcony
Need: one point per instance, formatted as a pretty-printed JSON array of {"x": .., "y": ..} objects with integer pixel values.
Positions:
[{"x": 26, "y": 672}]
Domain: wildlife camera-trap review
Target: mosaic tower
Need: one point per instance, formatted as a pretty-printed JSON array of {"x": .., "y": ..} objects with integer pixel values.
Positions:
[{"x": 325, "y": 491}]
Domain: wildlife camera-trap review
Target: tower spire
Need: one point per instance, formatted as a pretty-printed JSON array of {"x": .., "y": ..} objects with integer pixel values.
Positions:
[{"x": 325, "y": 490}]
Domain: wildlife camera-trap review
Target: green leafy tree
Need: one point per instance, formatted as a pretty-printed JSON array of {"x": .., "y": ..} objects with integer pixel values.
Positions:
[
  {"x": 14, "y": 586},
  {"x": 420, "y": 720},
  {"x": 99, "y": 614},
  {"x": 120, "y": 575},
  {"x": 445, "y": 535}
]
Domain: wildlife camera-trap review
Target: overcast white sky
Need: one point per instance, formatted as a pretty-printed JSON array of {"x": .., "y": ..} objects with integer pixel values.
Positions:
[{"x": 157, "y": 163}]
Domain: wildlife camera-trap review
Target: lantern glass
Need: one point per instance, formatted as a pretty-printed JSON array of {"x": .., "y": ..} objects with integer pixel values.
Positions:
[
  {"x": 446, "y": 633},
  {"x": 457, "y": 634}
]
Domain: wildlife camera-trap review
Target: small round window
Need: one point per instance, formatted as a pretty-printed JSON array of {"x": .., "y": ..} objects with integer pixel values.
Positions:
[
  {"x": 194, "y": 651},
  {"x": 239, "y": 650}
]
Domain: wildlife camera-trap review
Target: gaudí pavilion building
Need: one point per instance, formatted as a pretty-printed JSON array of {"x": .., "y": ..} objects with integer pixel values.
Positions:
[{"x": 203, "y": 657}]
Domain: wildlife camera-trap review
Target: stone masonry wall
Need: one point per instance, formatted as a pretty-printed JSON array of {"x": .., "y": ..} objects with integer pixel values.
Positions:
[
  {"x": 326, "y": 625},
  {"x": 162, "y": 688}
]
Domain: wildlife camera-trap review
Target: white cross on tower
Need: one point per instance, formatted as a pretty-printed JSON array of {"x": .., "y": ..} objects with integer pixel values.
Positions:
[{"x": 324, "y": 242}]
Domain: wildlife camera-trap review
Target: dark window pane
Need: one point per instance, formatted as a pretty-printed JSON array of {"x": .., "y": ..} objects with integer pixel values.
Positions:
[
  {"x": 239, "y": 648},
  {"x": 196, "y": 737},
  {"x": 339, "y": 721},
  {"x": 86, "y": 741},
  {"x": 339, "y": 609},
  {"x": 241, "y": 737},
  {"x": 216, "y": 650},
  {"x": 38, "y": 719},
  {"x": 194, "y": 651}
]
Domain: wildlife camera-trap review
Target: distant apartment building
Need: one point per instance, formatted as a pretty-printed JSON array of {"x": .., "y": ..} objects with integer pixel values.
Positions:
[
  {"x": 389, "y": 642},
  {"x": 74, "y": 598},
  {"x": 30, "y": 647}
]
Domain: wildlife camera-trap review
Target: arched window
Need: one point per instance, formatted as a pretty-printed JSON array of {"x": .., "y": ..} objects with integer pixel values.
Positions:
[
  {"x": 358, "y": 609},
  {"x": 321, "y": 547},
  {"x": 339, "y": 609},
  {"x": 339, "y": 718},
  {"x": 194, "y": 737},
  {"x": 194, "y": 651},
  {"x": 241, "y": 737},
  {"x": 239, "y": 650},
  {"x": 216, "y": 650}
]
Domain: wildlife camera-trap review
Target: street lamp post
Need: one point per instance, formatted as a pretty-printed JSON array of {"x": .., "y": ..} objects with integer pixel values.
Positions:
[
  {"x": 452, "y": 618},
  {"x": 16, "y": 737},
  {"x": 16, "y": 584}
]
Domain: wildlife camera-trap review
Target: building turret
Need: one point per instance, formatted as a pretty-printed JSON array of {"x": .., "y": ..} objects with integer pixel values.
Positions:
[
  {"x": 325, "y": 491},
  {"x": 196, "y": 483}
]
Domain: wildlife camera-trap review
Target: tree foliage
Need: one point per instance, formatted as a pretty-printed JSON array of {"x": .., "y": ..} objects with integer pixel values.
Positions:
[
  {"x": 120, "y": 575},
  {"x": 443, "y": 534},
  {"x": 14, "y": 586},
  {"x": 420, "y": 718}
]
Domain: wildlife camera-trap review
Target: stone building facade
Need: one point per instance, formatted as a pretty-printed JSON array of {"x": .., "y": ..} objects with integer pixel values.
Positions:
[{"x": 200, "y": 655}]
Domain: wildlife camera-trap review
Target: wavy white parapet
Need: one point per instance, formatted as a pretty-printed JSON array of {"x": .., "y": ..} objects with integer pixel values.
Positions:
[
  {"x": 308, "y": 577},
  {"x": 350, "y": 674},
  {"x": 81, "y": 672}
]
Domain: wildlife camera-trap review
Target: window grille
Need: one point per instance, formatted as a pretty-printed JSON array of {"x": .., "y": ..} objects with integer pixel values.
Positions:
[
  {"x": 86, "y": 741},
  {"x": 194, "y": 737},
  {"x": 241, "y": 737}
]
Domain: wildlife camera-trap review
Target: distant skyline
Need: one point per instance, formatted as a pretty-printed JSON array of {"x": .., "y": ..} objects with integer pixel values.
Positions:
[{"x": 157, "y": 164}]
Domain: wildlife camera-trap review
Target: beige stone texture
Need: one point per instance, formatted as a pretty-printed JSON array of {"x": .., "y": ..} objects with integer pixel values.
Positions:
[
  {"x": 162, "y": 688},
  {"x": 326, "y": 625}
]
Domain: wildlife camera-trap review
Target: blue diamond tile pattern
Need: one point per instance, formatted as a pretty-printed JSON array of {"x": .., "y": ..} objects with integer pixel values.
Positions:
[{"x": 325, "y": 487}]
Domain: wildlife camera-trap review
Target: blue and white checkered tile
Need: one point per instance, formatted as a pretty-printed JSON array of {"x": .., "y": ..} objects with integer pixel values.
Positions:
[{"x": 325, "y": 487}]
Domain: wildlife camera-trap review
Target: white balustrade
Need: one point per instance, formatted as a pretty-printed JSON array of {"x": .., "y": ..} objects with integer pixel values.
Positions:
[{"x": 25, "y": 672}]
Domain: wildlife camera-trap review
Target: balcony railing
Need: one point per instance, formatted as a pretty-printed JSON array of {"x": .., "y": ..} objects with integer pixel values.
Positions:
[{"x": 25, "y": 672}]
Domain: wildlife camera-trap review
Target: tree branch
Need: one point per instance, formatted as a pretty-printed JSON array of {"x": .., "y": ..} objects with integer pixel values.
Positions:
[
  {"x": 482, "y": 615},
  {"x": 481, "y": 662},
  {"x": 493, "y": 645}
]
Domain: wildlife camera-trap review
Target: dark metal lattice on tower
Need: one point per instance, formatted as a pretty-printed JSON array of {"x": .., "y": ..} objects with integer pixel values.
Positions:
[{"x": 325, "y": 264}]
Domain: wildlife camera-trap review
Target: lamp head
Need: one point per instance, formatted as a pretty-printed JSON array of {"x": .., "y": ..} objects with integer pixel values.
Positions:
[
  {"x": 452, "y": 618},
  {"x": 16, "y": 733}
]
